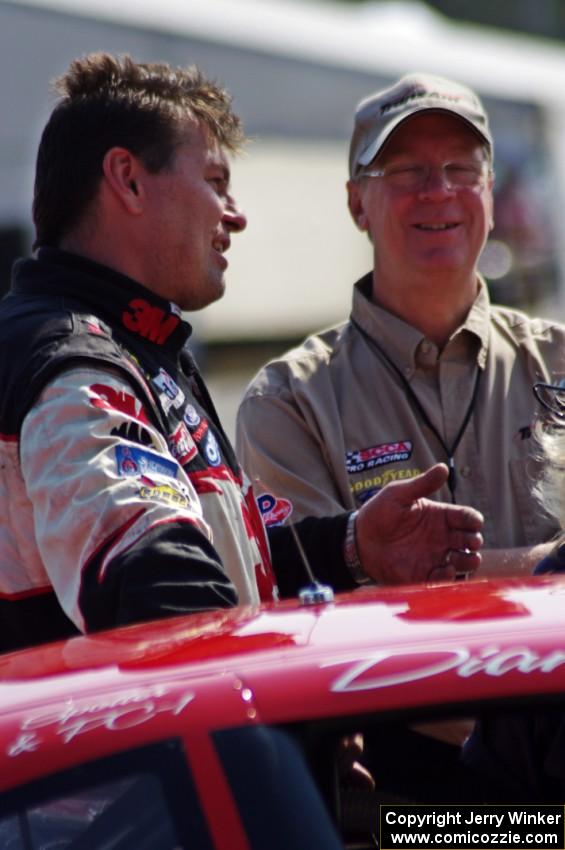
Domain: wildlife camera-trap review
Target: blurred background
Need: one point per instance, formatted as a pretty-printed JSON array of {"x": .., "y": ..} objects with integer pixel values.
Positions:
[{"x": 296, "y": 69}]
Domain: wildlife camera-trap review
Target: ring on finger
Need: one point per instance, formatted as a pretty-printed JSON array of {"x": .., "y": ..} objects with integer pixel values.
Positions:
[{"x": 460, "y": 575}]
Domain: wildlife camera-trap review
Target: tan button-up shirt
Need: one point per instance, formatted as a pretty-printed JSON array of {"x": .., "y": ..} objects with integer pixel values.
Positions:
[{"x": 332, "y": 421}]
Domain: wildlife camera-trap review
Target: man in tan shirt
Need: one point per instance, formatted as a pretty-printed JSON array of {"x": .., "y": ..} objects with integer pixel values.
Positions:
[{"x": 425, "y": 369}]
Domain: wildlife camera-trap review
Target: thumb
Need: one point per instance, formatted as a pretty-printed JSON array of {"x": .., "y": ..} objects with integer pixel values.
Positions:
[{"x": 423, "y": 485}]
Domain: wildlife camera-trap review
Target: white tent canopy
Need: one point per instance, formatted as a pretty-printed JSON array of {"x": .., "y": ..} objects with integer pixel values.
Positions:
[
  {"x": 296, "y": 70},
  {"x": 385, "y": 37}
]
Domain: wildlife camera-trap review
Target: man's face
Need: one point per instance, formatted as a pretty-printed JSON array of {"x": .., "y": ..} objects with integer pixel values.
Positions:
[
  {"x": 431, "y": 226},
  {"x": 191, "y": 216}
]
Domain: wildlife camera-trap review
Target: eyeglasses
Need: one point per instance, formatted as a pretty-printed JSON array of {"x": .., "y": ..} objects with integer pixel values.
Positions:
[
  {"x": 412, "y": 177},
  {"x": 551, "y": 397}
]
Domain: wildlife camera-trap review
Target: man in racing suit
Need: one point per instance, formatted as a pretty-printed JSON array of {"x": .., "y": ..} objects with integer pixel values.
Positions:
[{"x": 121, "y": 497}]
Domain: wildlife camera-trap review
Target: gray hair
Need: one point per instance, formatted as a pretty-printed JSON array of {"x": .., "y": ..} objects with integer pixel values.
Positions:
[{"x": 550, "y": 489}]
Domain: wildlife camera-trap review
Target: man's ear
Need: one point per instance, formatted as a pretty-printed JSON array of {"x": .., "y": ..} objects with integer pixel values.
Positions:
[
  {"x": 355, "y": 204},
  {"x": 490, "y": 188},
  {"x": 122, "y": 171}
]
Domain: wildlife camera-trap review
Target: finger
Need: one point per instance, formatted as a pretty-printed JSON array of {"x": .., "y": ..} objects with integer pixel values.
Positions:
[
  {"x": 360, "y": 777},
  {"x": 472, "y": 540},
  {"x": 463, "y": 517},
  {"x": 441, "y": 574},
  {"x": 351, "y": 746},
  {"x": 421, "y": 486},
  {"x": 464, "y": 562}
]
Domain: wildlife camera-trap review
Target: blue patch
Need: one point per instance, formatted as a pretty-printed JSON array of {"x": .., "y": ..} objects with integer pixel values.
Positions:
[
  {"x": 365, "y": 495},
  {"x": 134, "y": 461},
  {"x": 191, "y": 416},
  {"x": 212, "y": 450}
]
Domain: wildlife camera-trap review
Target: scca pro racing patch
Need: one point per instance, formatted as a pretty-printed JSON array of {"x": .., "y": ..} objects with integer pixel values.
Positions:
[{"x": 362, "y": 459}]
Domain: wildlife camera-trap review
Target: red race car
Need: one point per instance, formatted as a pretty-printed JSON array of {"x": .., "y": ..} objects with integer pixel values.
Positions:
[{"x": 237, "y": 730}]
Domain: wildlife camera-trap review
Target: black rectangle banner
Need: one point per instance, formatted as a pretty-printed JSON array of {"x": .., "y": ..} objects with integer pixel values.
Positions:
[{"x": 468, "y": 827}]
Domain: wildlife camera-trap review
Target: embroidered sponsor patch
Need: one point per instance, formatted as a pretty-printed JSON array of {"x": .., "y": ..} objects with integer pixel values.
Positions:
[
  {"x": 212, "y": 450},
  {"x": 172, "y": 493},
  {"x": 274, "y": 511},
  {"x": 367, "y": 487},
  {"x": 108, "y": 398},
  {"x": 361, "y": 459},
  {"x": 191, "y": 416},
  {"x": 170, "y": 394},
  {"x": 134, "y": 461},
  {"x": 181, "y": 444},
  {"x": 148, "y": 321},
  {"x": 201, "y": 431}
]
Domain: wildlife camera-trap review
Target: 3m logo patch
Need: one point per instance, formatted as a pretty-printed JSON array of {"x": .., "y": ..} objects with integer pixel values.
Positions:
[
  {"x": 361, "y": 459},
  {"x": 274, "y": 511},
  {"x": 108, "y": 398},
  {"x": 150, "y": 322}
]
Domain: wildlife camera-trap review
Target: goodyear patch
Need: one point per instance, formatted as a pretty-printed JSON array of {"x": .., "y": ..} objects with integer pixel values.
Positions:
[
  {"x": 274, "y": 511},
  {"x": 367, "y": 487},
  {"x": 361, "y": 459}
]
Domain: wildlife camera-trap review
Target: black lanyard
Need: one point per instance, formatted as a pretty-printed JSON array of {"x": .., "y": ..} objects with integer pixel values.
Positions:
[{"x": 415, "y": 402}]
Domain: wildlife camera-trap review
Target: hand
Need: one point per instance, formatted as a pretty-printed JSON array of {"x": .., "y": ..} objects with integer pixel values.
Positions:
[
  {"x": 351, "y": 771},
  {"x": 403, "y": 537}
]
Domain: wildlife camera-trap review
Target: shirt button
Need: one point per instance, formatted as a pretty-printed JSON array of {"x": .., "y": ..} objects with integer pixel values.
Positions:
[{"x": 465, "y": 471}]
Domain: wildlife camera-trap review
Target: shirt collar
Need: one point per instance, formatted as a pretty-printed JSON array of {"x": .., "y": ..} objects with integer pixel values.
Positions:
[
  {"x": 110, "y": 295},
  {"x": 400, "y": 341}
]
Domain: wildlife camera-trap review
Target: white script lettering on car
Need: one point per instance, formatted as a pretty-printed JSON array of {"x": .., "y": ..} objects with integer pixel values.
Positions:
[
  {"x": 121, "y": 711},
  {"x": 26, "y": 743},
  {"x": 366, "y": 673}
]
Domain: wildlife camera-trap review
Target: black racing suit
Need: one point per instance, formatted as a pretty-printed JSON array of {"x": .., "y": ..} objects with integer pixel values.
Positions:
[{"x": 120, "y": 495}]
